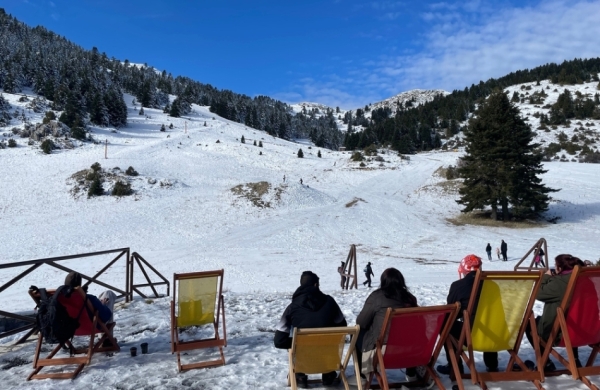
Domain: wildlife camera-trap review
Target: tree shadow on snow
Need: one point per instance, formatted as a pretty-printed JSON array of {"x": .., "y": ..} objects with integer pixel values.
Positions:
[{"x": 563, "y": 211}]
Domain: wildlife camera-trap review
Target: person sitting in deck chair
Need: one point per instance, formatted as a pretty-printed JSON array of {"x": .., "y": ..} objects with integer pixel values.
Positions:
[
  {"x": 460, "y": 291},
  {"x": 103, "y": 304},
  {"x": 310, "y": 308}
]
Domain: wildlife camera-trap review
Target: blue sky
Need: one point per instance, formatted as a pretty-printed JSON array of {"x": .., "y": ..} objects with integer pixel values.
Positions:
[{"x": 337, "y": 52}]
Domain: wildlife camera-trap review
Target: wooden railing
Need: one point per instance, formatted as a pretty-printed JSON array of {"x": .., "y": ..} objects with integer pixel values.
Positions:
[
  {"x": 120, "y": 254},
  {"x": 140, "y": 261}
]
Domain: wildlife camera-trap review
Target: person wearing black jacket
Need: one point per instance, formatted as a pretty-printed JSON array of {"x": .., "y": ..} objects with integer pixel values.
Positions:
[
  {"x": 310, "y": 308},
  {"x": 488, "y": 250},
  {"x": 504, "y": 250},
  {"x": 460, "y": 291},
  {"x": 368, "y": 274}
]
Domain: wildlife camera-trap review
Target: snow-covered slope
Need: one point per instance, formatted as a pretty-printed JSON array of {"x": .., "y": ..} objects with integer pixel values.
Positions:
[{"x": 186, "y": 215}]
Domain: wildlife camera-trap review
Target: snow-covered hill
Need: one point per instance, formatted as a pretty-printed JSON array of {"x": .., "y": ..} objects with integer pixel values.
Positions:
[{"x": 200, "y": 202}]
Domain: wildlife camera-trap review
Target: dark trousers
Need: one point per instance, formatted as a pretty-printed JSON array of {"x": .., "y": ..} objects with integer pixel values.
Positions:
[
  {"x": 489, "y": 358},
  {"x": 530, "y": 338},
  {"x": 368, "y": 281},
  {"x": 504, "y": 256}
]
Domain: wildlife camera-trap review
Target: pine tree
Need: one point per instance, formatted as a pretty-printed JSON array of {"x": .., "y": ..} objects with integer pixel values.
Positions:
[
  {"x": 243, "y": 140},
  {"x": 163, "y": 128},
  {"x": 515, "y": 97},
  {"x": 319, "y": 154},
  {"x": 501, "y": 165},
  {"x": 300, "y": 153},
  {"x": 141, "y": 111},
  {"x": 254, "y": 143},
  {"x": 260, "y": 145},
  {"x": 96, "y": 188}
]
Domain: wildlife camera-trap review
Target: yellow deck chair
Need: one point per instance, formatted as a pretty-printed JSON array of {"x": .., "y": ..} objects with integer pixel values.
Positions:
[
  {"x": 197, "y": 301},
  {"x": 503, "y": 307},
  {"x": 321, "y": 350}
]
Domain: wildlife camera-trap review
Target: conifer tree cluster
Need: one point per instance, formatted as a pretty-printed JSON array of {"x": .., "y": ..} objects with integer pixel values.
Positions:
[
  {"x": 414, "y": 129},
  {"x": 89, "y": 86},
  {"x": 501, "y": 167}
]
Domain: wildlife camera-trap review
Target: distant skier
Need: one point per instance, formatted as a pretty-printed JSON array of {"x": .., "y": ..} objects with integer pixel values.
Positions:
[
  {"x": 284, "y": 178},
  {"x": 368, "y": 273},
  {"x": 488, "y": 250},
  {"x": 300, "y": 181},
  {"x": 503, "y": 250}
]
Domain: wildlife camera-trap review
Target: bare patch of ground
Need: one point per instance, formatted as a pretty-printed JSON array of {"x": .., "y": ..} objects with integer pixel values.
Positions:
[
  {"x": 354, "y": 201},
  {"x": 254, "y": 192},
  {"x": 482, "y": 218}
]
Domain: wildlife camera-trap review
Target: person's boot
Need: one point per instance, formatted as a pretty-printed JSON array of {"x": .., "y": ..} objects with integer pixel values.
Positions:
[{"x": 302, "y": 381}]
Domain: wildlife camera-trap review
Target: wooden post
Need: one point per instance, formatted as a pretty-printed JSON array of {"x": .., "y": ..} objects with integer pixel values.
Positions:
[
  {"x": 350, "y": 270},
  {"x": 535, "y": 249},
  {"x": 106, "y": 149}
]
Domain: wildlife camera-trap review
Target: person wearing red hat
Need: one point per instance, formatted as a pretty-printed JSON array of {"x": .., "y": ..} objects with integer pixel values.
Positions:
[{"x": 460, "y": 291}]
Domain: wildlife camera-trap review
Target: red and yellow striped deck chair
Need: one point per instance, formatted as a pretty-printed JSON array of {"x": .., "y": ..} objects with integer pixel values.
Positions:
[
  {"x": 321, "y": 350},
  {"x": 578, "y": 324},
  {"x": 503, "y": 306},
  {"x": 413, "y": 337},
  {"x": 89, "y": 325},
  {"x": 197, "y": 301}
]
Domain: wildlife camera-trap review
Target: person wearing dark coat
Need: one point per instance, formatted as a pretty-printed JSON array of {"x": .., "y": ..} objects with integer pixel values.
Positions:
[
  {"x": 539, "y": 258},
  {"x": 368, "y": 274},
  {"x": 460, "y": 291},
  {"x": 391, "y": 293},
  {"x": 341, "y": 272},
  {"x": 310, "y": 308},
  {"x": 503, "y": 250},
  {"x": 488, "y": 250}
]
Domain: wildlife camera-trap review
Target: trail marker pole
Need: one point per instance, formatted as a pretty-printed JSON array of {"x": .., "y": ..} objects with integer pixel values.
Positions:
[{"x": 105, "y": 148}]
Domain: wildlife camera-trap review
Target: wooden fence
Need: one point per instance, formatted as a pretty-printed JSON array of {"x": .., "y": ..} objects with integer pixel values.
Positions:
[{"x": 121, "y": 256}]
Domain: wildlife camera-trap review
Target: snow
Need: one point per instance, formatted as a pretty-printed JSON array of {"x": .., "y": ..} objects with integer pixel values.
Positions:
[{"x": 396, "y": 212}]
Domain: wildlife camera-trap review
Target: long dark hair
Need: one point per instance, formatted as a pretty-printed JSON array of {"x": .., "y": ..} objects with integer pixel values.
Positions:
[
  {"x": 567, "y": 262},
  {"x": 394, "y": 287}
]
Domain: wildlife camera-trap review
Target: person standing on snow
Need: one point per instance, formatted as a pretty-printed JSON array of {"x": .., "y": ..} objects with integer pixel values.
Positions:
[
  {"x": 341, "y": 272},
  {"x": 368, "y": 274},
  {"x": 503, "y": 250},
  {"x": 488, "y": 250}
]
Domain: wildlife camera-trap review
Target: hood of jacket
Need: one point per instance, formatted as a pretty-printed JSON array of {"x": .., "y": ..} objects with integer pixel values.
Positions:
[{"x": 309, "y": 297}]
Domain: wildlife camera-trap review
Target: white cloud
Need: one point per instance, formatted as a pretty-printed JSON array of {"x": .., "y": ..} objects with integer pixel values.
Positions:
[
  {"x": 466, "y": 42},
  {"x": 459, "y": 52}
]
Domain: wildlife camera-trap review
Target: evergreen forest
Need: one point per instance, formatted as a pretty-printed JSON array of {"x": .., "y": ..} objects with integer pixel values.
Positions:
[{"x": 88, "y": 87}]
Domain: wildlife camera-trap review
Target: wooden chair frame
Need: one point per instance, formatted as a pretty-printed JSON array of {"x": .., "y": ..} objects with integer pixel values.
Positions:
[
  {"x": 560, "y": 327},
  {"x": 217, "y": 341},
  {"x": 95, "y": 323},
  {"x": 450, "y": 311},
  {"x": 466, "y": 336},
  {"x": 350, "y": 330}
]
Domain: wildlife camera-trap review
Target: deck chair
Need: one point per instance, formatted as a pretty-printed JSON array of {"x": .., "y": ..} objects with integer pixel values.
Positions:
[
  {"x": 413, "y": 337},
  {"x": 577, "y": 324},
  {"x": 90, "y": 325},
  {"x": 197, "y": 301},
  {"x": 503, "y": 306},
  {"x": 320, "y": 350}
]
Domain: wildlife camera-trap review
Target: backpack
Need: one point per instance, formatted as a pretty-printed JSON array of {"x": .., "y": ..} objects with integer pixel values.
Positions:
[{"x": 53, "y": 320}]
